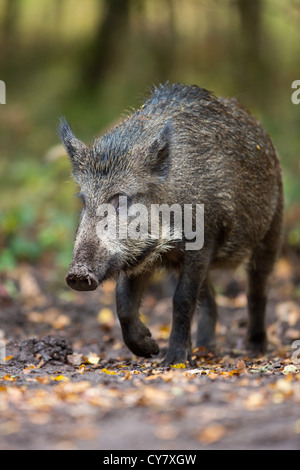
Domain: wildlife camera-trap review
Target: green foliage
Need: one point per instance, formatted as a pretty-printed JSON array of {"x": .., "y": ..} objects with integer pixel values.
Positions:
[{"x": 38, "y": 214}]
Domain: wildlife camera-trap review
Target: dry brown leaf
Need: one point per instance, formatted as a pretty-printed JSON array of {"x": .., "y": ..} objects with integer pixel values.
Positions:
[
  {"x": 76, "y": 359},
  {"x": 164, "y": 332},
  {"x": 106, "y": 317},
  {"x": 127, "y": 375},
  {"x": 60, "y": 377},
  {"x": 109, "y": 372},
  {"x": 290, "y": 369},
  {"x": 292, "y": 333},
  {"x": 238, "y": 302},
  {"x": 61, "y": 322},
  {"x": 9, "y": 427},
  {"x": 166, "y": 432},
  {"x": 283, "y": 268},
  {"x": 151, "y": 396},
  {"x": 92, "y": 358},
  {"x": 109, "y": 286},
  {"x": 241, "y": 366},
  {"x": 28, "y": 285},
  {"x": 288, "y": 312},
  {"x": 39, "y": 418},
  {"x": 28, "y": 369},
  {"x": 43, "y": 380},
  {"x": 53, "y": 316},
  {"x": 86, "y": 432},
  {"x": 212, "y": 433},
  {"x": 255, "y": 400},
  {"x": 81, "y": 369},
  {"x": 153, "y": 376},
  {"x": 10, "y": 378}
]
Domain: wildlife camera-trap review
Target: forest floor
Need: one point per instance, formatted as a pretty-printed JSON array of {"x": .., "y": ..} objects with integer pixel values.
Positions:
[{"x": 68, "y": 382}]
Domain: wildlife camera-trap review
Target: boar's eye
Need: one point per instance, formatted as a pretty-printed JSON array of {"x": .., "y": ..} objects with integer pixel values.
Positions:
[{"x": 120, "y": 201}]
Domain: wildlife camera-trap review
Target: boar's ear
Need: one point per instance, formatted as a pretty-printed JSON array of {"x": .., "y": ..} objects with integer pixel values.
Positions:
[
  {"x": 158, "y": 156},
  {"x": 75, "y": 148}
]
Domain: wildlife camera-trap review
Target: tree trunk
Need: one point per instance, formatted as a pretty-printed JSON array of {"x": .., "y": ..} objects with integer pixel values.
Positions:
[{"x": 108, "y": 43}]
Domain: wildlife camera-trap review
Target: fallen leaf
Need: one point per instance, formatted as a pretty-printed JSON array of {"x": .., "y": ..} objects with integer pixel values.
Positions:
[
  {"x": 109, "y": 286},
  {"x": 43, "y": 380},
  {"x": 288, "y": 312},
  {"x": 255, "y": 400},
  {"x": 237, "y": 302},
  {"x": 9, "y": 427},
  {"x": 212, "y": 433},
  {"x": 166, "y": 432},
  {"x": 59, "y": 378},
  {"x": 76, "y": 359},
  {"x": 292, "y": 333},
  {"x": 8, "y": 358},
  {"x": 178, "y": 366},
  {"x": 164, "y": 332},
  {"x": 283, "y": 268},
  {"x": 127, "y": 375},
  {"x": 92, "y": 358},
  {"x": 28, "y": 369},
  {"x": 109, "y": 372},
  {"x": 297, "y": 426},
  {"x": 28, "y": 284},
  {"x": 86, "y": 432},
  {"x": 10, "y": 378},
  {"x": 36, "y": 317},
  {"x": 53, "y": 316},
  {"x": 212, "y": 375},
  {"x": 241, "y": 366},
  {"x": 81, "y": 369},
  {"x": 61, "y": 322},
  {"x": 154, "y": 397},
  {"x": 290, "y": 369},
  {"x": 152, "y": 377},
  {"x": 39, "y": 418},
  {"x": 106, "y": 316}
]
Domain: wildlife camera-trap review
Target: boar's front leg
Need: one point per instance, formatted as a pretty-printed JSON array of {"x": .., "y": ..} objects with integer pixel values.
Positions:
[
  {"x": 192, "y": 275},
  {"x": 136, "y": 335}
]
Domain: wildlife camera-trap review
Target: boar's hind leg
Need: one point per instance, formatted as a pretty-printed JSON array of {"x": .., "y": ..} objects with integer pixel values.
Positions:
[
  {"x": 260, "y": 266},
  {"x": 207, "y": 311},
  {"x": 136, "y": 335}
]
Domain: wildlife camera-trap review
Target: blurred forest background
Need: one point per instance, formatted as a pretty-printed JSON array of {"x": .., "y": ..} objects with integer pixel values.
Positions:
[{"x": 92, "y": 60}]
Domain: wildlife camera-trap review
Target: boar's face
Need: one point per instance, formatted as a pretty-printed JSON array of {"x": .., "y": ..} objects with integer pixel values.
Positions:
[{"x": 118, "y": 183}]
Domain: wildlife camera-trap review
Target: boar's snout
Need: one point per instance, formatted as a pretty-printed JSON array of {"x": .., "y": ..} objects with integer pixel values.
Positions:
[{"x": 80, "y": 278}]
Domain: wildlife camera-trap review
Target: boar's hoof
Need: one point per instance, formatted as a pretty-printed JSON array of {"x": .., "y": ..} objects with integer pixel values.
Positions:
[
  {"x": 176, "y": 357},
  {"x": 145, "y": 347},
  {"x": 256, "y": 343},
  {"x": 81, "y": 279}
]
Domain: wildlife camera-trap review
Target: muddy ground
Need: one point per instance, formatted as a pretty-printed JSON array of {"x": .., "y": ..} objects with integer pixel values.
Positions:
[{"x": 68, "y": 382}]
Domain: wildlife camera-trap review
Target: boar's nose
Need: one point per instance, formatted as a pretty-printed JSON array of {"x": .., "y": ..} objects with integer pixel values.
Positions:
[{"x": 81, "y": 278}]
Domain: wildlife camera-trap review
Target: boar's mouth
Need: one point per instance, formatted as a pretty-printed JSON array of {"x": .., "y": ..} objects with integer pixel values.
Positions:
[{"x": 80, "y": 278}]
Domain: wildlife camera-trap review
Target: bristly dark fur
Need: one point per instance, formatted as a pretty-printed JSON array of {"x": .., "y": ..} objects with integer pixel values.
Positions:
[{"x": 114, "y": 148}]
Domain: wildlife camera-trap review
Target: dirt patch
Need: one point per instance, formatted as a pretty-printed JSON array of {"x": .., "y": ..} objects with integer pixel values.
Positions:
[
  {"x": 68, "y": 381},
  {"x": 40, "y": 351}
]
